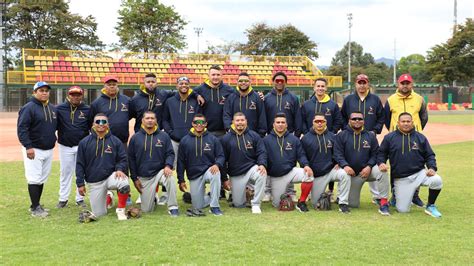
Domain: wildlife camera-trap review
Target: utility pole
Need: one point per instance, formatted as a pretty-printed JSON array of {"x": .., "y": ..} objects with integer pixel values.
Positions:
[
  {"x": 349, "y": 17},
  {"x": 3, "y": 68},
  {"x": 455, "y": 26},
  {"x": 394, "y": 61},
  {"x": 198, "y": 31}
]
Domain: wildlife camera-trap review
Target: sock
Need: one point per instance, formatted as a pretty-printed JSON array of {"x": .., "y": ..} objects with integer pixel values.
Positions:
[
  {"x": 35, "y": 195},
  {"x": 432, "y": 196},
  {"x": 383, "y": 201},
  {"x": 158, "y": 188},
  {"x": 108, "y": 200},
  {"x": 305, "y": 190},
  {"x": 331, "y": 186},
  {"x": 122, "y": 200}
]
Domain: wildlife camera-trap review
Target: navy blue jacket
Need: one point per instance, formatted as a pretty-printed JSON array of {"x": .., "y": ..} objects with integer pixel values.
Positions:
[
  {"x": 149, "y": 153},
  {"x": 243, "y": 151},
  {"x": 319, "y": 151},
  {"x": 98, "y": 158},
  {"x": 356, "y": 150},
  {"x": 178, "y": 116},
  {"x": 117, "y": 110},
  {"x": 197, "y": 153},
  {"x": 143, "y": 101},
  {"x": 408, "y": 153},
  {"x": 214, "y": 107},
  {"x": 283, "y": 153},
  {"x": 328, "y": 107},
  {"x": 73, "y": 123},
  {"x": 36, "y": 125},
  {"x": 253, "y": 108},
  {"x": 371, "y": 107},
  {"x": 287, "y": 103}
]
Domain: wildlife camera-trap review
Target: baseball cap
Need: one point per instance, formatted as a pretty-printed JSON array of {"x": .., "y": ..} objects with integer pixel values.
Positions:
[
  {"x": 405, "y": 77},
  {"x": 362, "y": 77},
  {"x": 75, "y": 90},
  {"x": 109, "y": 78},
  {"x": 40, "y": 84}
]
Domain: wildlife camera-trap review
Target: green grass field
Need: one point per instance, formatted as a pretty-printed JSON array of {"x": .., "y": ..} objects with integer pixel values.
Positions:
[
  {"x": 239, "y": 237},
  {"x": 455, "y": 119}
]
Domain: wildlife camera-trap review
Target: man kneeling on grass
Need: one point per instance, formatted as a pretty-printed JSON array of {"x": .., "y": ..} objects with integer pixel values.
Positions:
[
  {"x": 409, "y": 151},
  {"x": 101, "y": 162}
]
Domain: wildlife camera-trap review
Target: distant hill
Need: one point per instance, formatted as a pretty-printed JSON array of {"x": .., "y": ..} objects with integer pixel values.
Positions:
[
  {"x": 323, "y": 67},
  {"x": 387, "y": 61}
]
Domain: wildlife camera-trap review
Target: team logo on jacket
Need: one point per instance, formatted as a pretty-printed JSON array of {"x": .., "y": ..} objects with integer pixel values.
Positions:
[
  {"x": 158, "y": 143},
  {"x": 158, "y": 102},
  {"x": 81, "y": 115},
  {"x": 248, "y": 145},
  {"x": 288, "y": 146},
  {"x": 207, "y": 147},
  {"x": 287, "y": 105},
  {"x": 328, "y": 111},
  {"x": 329, "y": 145},
  {"x": 365, "y": 144},
  {"x": 53, "y": 114},
  {"x": 371, "y": 111},
  {"x": 108, "y": 149},
  {"x": 415, "y": 146},
  {"x": 252, "y": 106},
  {"x": 191, "y": 110},
  {"x": 222, "y": 100},
  {"x": 124, "y": 107}
]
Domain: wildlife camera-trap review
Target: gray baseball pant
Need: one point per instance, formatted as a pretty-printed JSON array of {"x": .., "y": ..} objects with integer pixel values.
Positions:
[
  {"x": 279, "y": 185},
  {"x": 320, "y": 183},
  {"x": 379, "y": 178},
  {"x": 175, "y": 145},
  {"x": 149, "y": 185},
  {"x": 239, "y": 184},
  {"x": 67, "y": 166},
  {"x": 198, "y": 190},
  {"x": 98, "y": 192},
  {"x": 405, "y": 188}
]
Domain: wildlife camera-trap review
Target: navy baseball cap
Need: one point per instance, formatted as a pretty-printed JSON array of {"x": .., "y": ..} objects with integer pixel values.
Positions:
[{"x": 40, "y": 84}]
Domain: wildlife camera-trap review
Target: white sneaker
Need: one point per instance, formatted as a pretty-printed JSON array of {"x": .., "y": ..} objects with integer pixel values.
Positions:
[
  {"x": 163, "y": 199},
  {"x": 294, "y": 198},
  {"x": 121, "y": 214},
  {"x": 139, "y": 200},
  {"x": 256, "y": 209},
  {"x": 110, "y": 195},
  {"x": 266, "y": 198}
]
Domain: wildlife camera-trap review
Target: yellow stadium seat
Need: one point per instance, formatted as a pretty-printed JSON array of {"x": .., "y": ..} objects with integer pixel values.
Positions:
[
  {"x": 94, "y": 69},
  {"x": 75, "y": 64},
  {"x": 37, "y": 68},
  {"x": 98, "y": 64},
  {"x": 106, "y": 69},
  {"x": 37, "y": 63},
  {"x": 44, "y": 68},
  {"x": 44, "y": 58},
  {"x": 134, "y": 65},
  {"x": 30, "y": 57},
  {"x": 87, "y": 64},
  {"x": 100, "y": 69},
  {"x": 36, "y": 57},
  {"x": 81, "y": 64},
  {"x": 88, "y": 69},
  {"x": 82, "y": 69}
]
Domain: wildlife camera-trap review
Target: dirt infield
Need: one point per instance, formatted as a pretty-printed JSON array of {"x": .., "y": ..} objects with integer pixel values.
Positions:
[{"x": 11, "y": 149}]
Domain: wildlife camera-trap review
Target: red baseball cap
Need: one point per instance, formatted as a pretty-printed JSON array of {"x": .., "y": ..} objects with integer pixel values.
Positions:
[
  {"x": 362, "y": 77},
  {"x": 405, "y": 77},
  {"x": 109, "y": 78},
  {"x": 75, "y": 90}
]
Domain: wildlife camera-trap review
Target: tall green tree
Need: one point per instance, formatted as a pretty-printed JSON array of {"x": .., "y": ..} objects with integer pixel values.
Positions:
[
  {"x": 454, "y": 60},
  {"x": 415, "y": 64},
  {"x": 284, "y": 40},
  {"x": 358, "y": 57},
  {"x": 150, "y": 27},
  {"x": 47, "y": 25}
]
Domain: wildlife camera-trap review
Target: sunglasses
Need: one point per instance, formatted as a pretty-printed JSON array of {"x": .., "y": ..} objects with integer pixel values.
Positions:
[
  {"x": 357, "y": 119},
  {"x": 199, "y": 122},
  {"x": 280, "y": 80},
  {"x": 362, "y": 82},
  {"x": 405, "y": 82},
  {"x": 101, "y": 122},
  {"x": 319, "y": 121},
  {"x": 244, "y": 80}
]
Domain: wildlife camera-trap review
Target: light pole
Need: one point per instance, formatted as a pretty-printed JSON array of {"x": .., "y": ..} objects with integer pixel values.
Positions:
[
  {"x": 349, "y": 17},
  {"x": 198, "y": 31}
]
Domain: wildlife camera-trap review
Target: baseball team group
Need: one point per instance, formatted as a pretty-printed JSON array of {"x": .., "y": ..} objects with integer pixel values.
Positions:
[{"x": 254, "y": 146}]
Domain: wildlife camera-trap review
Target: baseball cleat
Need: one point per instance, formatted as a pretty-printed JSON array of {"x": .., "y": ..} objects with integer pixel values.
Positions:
[
  {"x": 61, "y": 204},
  {"x": 256, "y": 209},
  {"x": 384, "y": 210},
  {"x": 121, "y": 214},
  {"x": 417, "y": 202},
  {"x": 266, "y": 198},
  {"x": 393, "y": 201},
  {"x": 301, "y": 206},
  {"x": 344, "y": 208},
  {"x": 139, "y": 200},
  {"x": 376, "y": 201},
  {"x": 433, "y": 211},
  {"x": 39, "y": 212},
  {"x": 216, "y": 211},
  {"x": 173, "y": 212},
  {"x": 163, "y": 200},
  {"x": 81, "y": 203}
]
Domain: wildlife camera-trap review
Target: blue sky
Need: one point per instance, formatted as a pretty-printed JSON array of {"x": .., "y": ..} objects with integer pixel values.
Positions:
[{"x": 416, "y": 25}]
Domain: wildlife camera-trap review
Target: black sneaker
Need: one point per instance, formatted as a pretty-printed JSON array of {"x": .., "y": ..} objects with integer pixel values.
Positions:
[
  {"x": 81, "y": 203},
  {"x": 62, "y": 204},
  {"x": 344, "y": 208},
  {"x": 417, "y": 201},
  {"x": 301, "y": 206}
]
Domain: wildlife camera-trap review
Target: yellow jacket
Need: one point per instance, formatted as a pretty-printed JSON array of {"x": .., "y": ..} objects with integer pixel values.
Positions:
[{"x": 413, "y": 104}]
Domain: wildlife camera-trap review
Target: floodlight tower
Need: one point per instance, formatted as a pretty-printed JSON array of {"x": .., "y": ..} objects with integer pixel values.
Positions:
[{"x": 349, "y": 17}]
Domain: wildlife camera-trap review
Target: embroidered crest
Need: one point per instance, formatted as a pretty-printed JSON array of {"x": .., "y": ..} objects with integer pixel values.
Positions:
[
  {"x": 222, "y": 100},
  {"x": 191, "y": 110},
  {"x": 158, "y": 143},
  {"x": 252, "y": 106},
  {"x": 207, "y": 147},
  {"x": 329, "y": 145},
  {"x": 287, "y": 105},
  {"x": 248, "y": 145},
  {"x": 415, "y": 146},
  {"x": 53, "y": 114},
  {"x": 365, "y": 144},
  {"x": 288, "y": 146},
  {"x": 81, "y": 115},
  {"x": 158, "y": 102},
  {"x": 124, "y": 107},
  {"x": 108, "y": 149},
  {"x": 371, "y": 110},
  {"x": 328, "y": 111}
]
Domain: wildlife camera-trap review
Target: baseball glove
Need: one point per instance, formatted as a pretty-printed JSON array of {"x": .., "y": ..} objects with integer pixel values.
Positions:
[
  {"x": 134, "y": 212},
  {"x": 86, "y": 216},
  {"x": 286, "y": 203},
  {"x": 187, "y": 197},
  {"x": 324, "y": 202}
]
